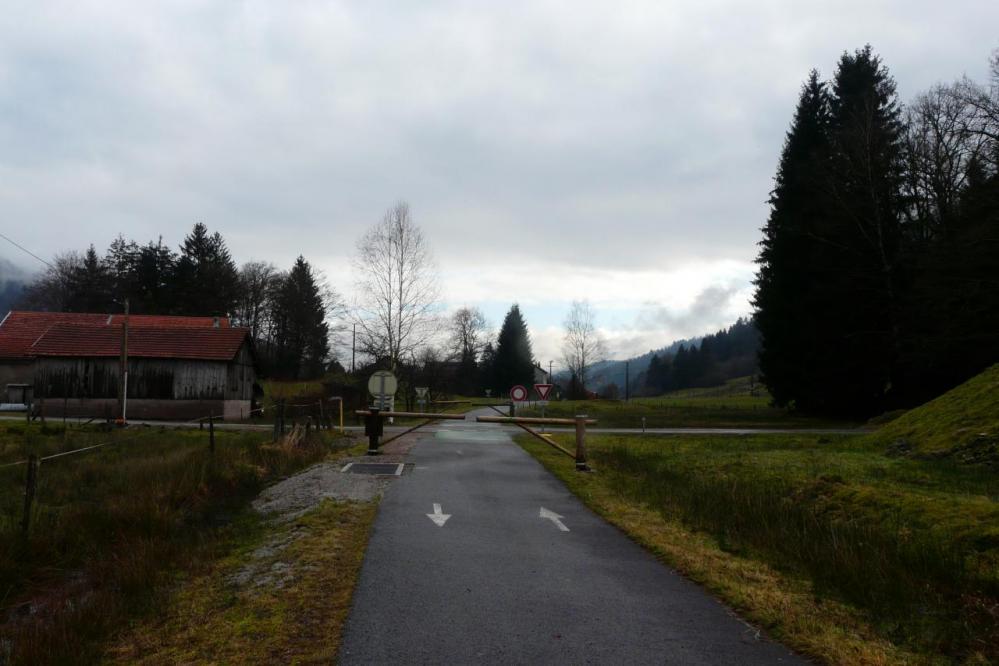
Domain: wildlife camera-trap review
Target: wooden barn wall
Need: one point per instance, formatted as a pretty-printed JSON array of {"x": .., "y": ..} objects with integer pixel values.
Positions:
[
  {"x": 162, "y": 379},
  {"x": 240, "y": 376}
]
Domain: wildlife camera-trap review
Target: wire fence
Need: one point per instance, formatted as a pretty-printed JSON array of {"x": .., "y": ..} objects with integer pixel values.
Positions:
[{"x": 320, "y": 420}]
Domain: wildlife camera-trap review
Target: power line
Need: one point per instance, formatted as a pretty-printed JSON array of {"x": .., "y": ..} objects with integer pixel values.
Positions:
[{"x": 24, "y": 249}]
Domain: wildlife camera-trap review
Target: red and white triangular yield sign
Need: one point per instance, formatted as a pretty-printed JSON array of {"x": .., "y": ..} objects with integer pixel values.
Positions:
[{"x": 544, "y": 390}]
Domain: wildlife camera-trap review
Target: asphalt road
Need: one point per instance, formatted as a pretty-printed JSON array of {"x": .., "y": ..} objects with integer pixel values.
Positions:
[{"x": 498, "y": 582}]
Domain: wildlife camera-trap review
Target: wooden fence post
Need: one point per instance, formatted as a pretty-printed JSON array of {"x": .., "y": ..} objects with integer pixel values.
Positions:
[
  {"x": 30, "y": 487},
  {"x": 581, "y": 465},
  {"x": 211, "y": 433}
]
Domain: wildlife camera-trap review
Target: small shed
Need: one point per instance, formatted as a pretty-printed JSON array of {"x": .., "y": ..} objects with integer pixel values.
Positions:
[{"x": 173, "y": 373}]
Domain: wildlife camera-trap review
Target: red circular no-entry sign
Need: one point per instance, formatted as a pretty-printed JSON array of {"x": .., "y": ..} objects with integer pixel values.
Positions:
[{"x": 518, "y": 393}]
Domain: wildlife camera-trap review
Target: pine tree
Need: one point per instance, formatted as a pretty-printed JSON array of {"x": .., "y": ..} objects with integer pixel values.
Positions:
[
  {"x": 829, "y": 286},
  {"x": 514, "y": 361},
  {"x": 859, "y": 243},
  {"x": 785, "y": 300},
  {"x": 90, "y": 285},
  {"x": 301, "y": 334},
  {"x": 206, "y": 280},
  {"x": 487, "y": 368},
  {"x": 151, "y": 289}
]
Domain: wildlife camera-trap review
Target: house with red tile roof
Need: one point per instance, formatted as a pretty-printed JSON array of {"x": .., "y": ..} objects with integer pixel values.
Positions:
[{"x": 178, "y": 367}]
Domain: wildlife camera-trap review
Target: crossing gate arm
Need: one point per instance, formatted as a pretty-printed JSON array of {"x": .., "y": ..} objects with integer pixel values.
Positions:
[
  {"x": 517, "y": 420},
  {"x": 579, "y": 456},
  {"x": 415, "y": 415}
]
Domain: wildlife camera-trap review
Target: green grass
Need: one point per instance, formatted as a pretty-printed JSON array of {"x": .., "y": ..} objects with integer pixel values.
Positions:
[
  {"x": 904, "y": 551},
  {"x": 735, "y": 404},
  {"x": 738, "y": 403},
  {"x": 112, "y": 526},
  {"x": 962, "y": 424}
]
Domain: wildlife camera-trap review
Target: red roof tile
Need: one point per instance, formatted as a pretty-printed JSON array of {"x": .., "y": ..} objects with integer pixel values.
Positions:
[
  {"x": 20, "y": 329},
  {"x": 208, "y": 344}
]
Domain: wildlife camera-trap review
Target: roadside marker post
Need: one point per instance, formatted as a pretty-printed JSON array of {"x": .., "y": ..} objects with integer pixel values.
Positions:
[{"x": 581, "y": 465}]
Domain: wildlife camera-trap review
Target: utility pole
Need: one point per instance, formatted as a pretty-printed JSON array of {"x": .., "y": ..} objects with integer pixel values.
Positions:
[
  {"x": 550, "y": 380},
  {"x": 627, "y": 381},
  {"x": 123, "y": 369},
  {"x": 353, "y": 348}
]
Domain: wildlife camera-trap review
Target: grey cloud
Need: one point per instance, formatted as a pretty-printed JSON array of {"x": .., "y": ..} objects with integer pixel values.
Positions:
[
  {"x": 709, "y": 310},
  {"x": 620, "y": 137}
]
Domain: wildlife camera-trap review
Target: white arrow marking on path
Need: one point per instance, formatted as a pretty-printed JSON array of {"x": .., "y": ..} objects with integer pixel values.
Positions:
[
  {"x": 554, "y": 517},
  {"x": 438, "y": 517}
]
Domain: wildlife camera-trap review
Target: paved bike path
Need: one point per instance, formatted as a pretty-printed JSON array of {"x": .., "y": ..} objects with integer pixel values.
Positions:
[{"x": 498, "y": 583}]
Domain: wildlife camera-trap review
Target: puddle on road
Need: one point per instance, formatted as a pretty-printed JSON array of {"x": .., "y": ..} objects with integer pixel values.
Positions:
[{"x": 453, "y": 435}]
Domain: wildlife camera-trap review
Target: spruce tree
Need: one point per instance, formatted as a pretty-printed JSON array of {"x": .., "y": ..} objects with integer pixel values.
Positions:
[
  {"x": 513, "y": 363},
  {"x": 206, "y": 280},
  {"x": 786, "y": 302},
  {"x": 301, "y": 337},
  {"x": 90, "y": 285},
  {"x": 859, "y": 243}
]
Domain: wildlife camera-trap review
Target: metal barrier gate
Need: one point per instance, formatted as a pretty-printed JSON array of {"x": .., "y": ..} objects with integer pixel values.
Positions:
[{"x": 374, "y": 422}]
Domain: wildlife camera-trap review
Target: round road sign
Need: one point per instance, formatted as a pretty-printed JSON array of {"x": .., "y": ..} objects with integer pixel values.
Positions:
[
  {"x": 518, "y": 393},
  {"x": 382, "y": 382}
]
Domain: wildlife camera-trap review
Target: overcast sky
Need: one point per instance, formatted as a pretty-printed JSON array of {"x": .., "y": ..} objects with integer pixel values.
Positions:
[{"x": 620, "y": 152}]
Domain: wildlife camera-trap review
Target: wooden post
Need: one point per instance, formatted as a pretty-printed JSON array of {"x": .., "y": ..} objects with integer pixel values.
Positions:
[
  {"x": 123, "y": 368},
  {"x": 581, "y": 465},
  {"x": 211, "y": 432},
  {"x": 30, "y": 486},
  {"x": 319, "y": 424},
  {"x": 308, "y": 425},
  {"x": 341, "y": 414}
]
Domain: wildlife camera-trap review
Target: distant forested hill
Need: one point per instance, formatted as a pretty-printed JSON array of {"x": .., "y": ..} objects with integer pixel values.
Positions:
[
  {"x": 709, "y": 360},
  {"x": 12, "y": 281}
]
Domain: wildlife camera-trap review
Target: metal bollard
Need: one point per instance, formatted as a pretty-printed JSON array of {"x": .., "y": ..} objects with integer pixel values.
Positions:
[
  {"x": 581, "y": 465},
  {"x": 373, "y": 429}
]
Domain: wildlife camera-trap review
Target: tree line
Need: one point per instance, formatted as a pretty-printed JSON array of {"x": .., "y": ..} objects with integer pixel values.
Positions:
[
  {"x": 286, "y": 311},
  {"x": 724, "y": 355},
  {"x": 877, "y": 283}
]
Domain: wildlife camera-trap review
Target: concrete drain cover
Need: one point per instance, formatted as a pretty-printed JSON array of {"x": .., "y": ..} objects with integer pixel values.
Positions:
[{"x": 379, "y": 469}]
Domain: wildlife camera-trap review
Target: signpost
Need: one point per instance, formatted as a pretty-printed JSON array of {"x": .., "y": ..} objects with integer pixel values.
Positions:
[
  {"x": 421, "y": 397},
  {"x": 383, "y": 385},
  {"x": 543, "y": 391},
  {"x": 517, "y": 394}
]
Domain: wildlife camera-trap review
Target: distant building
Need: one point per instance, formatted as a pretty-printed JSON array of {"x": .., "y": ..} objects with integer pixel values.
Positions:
[
  {"x": 179, "y": 367},
  {"x": 540, "y": 375}
]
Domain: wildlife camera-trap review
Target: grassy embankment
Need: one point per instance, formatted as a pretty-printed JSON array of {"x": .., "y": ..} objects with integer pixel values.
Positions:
[
  {"x": 116, "y": 530},
  {"x": 877, "y": 548},
  {"x": 734, "y": 405}
]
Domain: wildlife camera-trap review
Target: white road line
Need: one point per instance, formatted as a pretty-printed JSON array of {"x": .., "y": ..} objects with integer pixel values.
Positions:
[
  {"x": 438, "y": 517},
  {"x": 554, "y": 517}
]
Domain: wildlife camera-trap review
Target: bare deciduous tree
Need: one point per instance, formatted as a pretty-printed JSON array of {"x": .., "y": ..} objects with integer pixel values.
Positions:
[
  {"x": 397, "y": 287},
  {"x": 582, "y": 345},
  {"x": 468, "y": 328},
  {"x": 257, "y": 281},
  {"x": 53, "y": 289}
]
